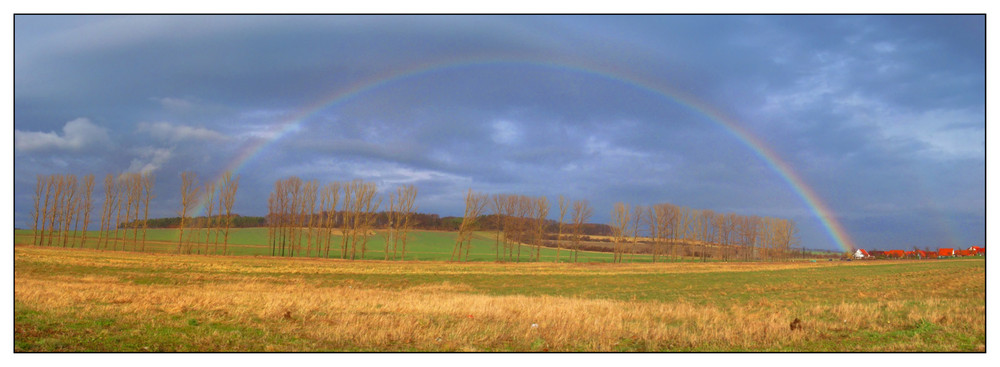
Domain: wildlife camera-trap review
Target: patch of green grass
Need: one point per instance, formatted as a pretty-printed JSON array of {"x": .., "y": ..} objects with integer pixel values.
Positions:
[
  {"x": 421, "y": 245},
  {"x": 38, "y": 330}
]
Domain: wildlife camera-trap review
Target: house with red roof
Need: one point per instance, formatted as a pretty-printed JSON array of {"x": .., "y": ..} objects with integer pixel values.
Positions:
[
  {"x": 861, "y": 254},
  {"x": 946, "y": 252},
  {"x": 895, "y": 253},
  {"x": 978, "y": 251}
]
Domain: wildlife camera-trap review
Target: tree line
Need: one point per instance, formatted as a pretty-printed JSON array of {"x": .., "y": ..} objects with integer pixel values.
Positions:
[
  {"x": 61, "y": 201},
  {"x": 203, "y": 236},
  {"x": 296, "y": 226},
  {"x": 669, "y": 228},
  {"x": 303, "y": 218},
  {"x": 238, "y": 221},
  {"x": 519, "y": 221}
]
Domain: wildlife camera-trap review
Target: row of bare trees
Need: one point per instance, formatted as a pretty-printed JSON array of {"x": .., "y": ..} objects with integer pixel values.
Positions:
[
  {"x": 56, "y": 218},
  {"x": 203, "y": 235},
  {"x": 674, "y": 231},
  {"x": 61, "y": 202},
  {"x": 523, "y": 221},
  {"x": 295, "y": 226},
  {"x": 128, "y": 194}
]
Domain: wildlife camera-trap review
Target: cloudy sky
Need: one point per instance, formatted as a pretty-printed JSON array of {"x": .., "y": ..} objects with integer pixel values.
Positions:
[{"x": 882, "y": 117}]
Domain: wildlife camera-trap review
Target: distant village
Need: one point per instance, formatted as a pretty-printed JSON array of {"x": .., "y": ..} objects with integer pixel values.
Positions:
[{"x": 919, "y": 254}]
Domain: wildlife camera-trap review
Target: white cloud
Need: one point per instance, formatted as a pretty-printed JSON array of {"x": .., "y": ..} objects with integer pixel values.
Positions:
[
  {"x": 177, "y": 104},
  {"x": 603, "y": 148},
  {"x": 77, "y": 134},
  {"x": 175, "y": 133},
  {"x": 150, "y": 159},
  {"x": 505, "y": 132},
  {"x": 387, "y": 174},
  {"x": 944, "y": 133},
  {"x": 884, "y": 47},
  {"x": 813, "y": 88}
]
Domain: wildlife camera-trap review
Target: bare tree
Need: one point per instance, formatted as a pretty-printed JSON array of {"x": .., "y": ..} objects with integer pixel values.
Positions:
[
  {"x": 726, "y": 225},
  {"x": 309, "y": 201},
  {"x": 406, "y": 208},
  {"x": 331, "y": 192},
  {"x": 147, "y": 189},
  {"x": 77, "y": 212},
  {"x": 474, "y": 204},
  {"x": 271, "y": 221},
  {"x": 524, "y": 206},
  {"x": 652, "y": 225},
  {"x": 323, "y": 221},
  {"x": 230, "y": 185},
  {"x": 511, "y": 226},
  {"x": 541, "y": 212},
  {"x": 366, "y": 205},
  {"x": 563, "y": 207},
  {"x": 665, "y": 217},
  {"x": 283, "y": 214},
  {"x": 277, "y": 206},
  {"x": 706, "y": 230},
  {"x": 348, "y": 216},
  {"x": 210, "y": 211},
  {"x": 189, "y": 196},
  {"x": 685, "y": 229},
  {"x": 636, "y": 220},
  {"x": 296, "y": 214},
  {"x": 46, "y": 210},
  {"x": 136, "y": 191},
  {"x": 56, "y": 206},
  {"x": 787, "y": 236},
  {"x": 619, "y": 228},
  {"x": 120, "y": 190},
  {"x": 88, "y": 189},
  {"x": 391, "y": 215},
  {"x": 70, "y": 207},
  {"x": 102, "y": 237},
  {"x": 581, "y": 214},
  {"x": 37, "y": 198},
  {"x": 499, "y": 203}
]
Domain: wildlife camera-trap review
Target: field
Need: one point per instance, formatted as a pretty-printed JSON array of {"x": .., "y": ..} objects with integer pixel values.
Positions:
[
  {"x": 422, "y": 245},
  {"x": 91, "y": 300}
]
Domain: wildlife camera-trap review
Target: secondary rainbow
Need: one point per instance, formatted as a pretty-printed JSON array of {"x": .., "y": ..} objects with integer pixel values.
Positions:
[{"x": 292, "y": 123}]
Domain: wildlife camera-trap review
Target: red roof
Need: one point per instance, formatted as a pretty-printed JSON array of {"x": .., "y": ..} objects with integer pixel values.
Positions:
[
  {"x": 977, "y": 249},
  {"x": 946, "y": 252},
  {"x": 863, "y": 252},
  {"x": 895, "y": 253}
]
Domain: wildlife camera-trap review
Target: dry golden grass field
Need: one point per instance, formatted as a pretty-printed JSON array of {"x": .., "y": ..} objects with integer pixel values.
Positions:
[{"x": 90, "y": 300}]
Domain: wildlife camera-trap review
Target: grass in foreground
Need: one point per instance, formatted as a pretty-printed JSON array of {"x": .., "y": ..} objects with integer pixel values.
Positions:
[{"x": 86, "y": 300}]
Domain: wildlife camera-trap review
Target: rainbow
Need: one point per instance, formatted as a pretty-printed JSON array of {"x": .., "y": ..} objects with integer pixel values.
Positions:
[{"x": 293, "y": 122}]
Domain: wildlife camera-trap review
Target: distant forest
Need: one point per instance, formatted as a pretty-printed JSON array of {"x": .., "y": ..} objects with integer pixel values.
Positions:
[{"x": 420, "y": 221}]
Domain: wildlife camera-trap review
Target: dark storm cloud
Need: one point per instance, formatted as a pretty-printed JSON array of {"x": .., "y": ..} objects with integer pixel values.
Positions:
[{"x": 883, "y": 116}]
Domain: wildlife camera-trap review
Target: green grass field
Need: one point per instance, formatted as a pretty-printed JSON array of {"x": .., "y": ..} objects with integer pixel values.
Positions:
[
  {"x": 422, "y": 245},
  {"x": 88, "y": 300}
]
